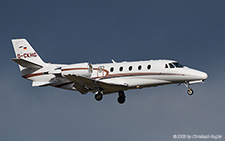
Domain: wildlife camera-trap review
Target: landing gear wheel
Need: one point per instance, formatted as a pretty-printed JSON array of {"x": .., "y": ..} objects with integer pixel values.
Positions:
[
  {"x": 190, "y": 92},
  {"x": 121, "y": 99},
  {"x": 98, "y": 96}
]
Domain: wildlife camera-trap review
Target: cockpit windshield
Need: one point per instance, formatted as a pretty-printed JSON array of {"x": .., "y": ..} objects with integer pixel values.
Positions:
[
  {"x": 177, "y": 65},
  {"x": 173, "y": 65}
]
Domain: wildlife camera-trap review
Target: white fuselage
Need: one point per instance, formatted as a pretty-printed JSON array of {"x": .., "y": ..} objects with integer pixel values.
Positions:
[{"x": 136, "y": 74}]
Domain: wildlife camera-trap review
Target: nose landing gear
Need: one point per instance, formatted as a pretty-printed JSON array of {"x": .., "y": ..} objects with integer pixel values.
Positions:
[{"x": 189, "y": 91}]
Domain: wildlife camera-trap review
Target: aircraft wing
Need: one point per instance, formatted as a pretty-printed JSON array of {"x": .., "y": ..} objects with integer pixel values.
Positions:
[{"x": 93, "y": 84}]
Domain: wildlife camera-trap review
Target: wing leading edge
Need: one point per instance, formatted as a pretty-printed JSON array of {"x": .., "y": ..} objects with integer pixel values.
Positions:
[{"x": 83, "y": 85}]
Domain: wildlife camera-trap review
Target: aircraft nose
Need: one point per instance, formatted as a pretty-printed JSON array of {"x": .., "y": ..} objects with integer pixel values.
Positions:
[{"x": 203, "y": 75}]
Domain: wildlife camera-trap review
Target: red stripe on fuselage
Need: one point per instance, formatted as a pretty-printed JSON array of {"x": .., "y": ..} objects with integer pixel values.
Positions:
[
  {"x": 74, "y": 69},
  {"x": 107, "y": 73},
  {"x": 32, "y": 75},
  {"x": 134, "y": 74}
]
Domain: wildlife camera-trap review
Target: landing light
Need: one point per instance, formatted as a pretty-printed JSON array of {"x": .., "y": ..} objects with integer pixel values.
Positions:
[{"x": 138, "y": 87}]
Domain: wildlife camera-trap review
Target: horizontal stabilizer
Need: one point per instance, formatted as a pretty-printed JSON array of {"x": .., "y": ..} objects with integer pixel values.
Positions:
[
  {"x": 26, "y": 64},
  {"x": 40, "y": 84}
]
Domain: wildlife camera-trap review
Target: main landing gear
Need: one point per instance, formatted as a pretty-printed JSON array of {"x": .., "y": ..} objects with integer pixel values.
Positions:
[
  {"x": 189, "y": 91},
  {"x": 121, "y": 99},
  {"x": 98, "y": 96}
]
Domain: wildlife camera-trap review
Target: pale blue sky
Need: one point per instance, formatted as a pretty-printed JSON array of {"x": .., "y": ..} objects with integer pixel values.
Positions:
[{"x": 189, "y": 31}]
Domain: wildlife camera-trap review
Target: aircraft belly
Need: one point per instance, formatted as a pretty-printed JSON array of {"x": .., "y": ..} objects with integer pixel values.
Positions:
[
  {"x": 146, "y": 80},
  {"x": 133, "y": 81}
]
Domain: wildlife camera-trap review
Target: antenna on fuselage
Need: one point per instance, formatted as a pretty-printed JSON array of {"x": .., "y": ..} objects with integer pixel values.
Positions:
[{"x": 113, "y": 61}]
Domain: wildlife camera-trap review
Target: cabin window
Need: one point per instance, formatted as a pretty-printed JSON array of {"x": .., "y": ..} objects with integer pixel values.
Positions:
[
  {"x": 149, "y": 67},
  {"x": 130, "y": 68},
  {"x": 139, "y": 67},
  {"x": 111, "y": 69},
  {"x": 121, "y": 68},
  {"x": 166, "y": 66},
  {"x": 171, "y": 65}
]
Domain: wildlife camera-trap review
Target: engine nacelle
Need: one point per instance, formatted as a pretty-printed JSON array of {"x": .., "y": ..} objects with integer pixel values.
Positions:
[{"x": 82, "y": 69}]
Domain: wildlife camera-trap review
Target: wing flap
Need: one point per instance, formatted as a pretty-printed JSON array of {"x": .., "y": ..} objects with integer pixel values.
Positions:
[{"x": 80, "y": 88}]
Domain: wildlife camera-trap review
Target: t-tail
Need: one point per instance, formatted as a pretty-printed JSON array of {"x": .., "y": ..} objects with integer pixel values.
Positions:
[{"x": 26, "y": 57}]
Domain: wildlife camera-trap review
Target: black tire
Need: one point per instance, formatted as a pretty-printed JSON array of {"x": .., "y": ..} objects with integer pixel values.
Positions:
[
  {"x": 98, "y": 96},
  {"x": 190, "y": 92},
  {"x": 121, "y": 99},
  {"x": 121, "y": 94}
]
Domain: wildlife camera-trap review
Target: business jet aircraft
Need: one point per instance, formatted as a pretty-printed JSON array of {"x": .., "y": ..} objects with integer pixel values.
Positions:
[{"x": 102, "y": 79}]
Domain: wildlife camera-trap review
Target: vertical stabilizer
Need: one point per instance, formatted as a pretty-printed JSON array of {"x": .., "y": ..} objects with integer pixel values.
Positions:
[{"x": 24, "y": 51}]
